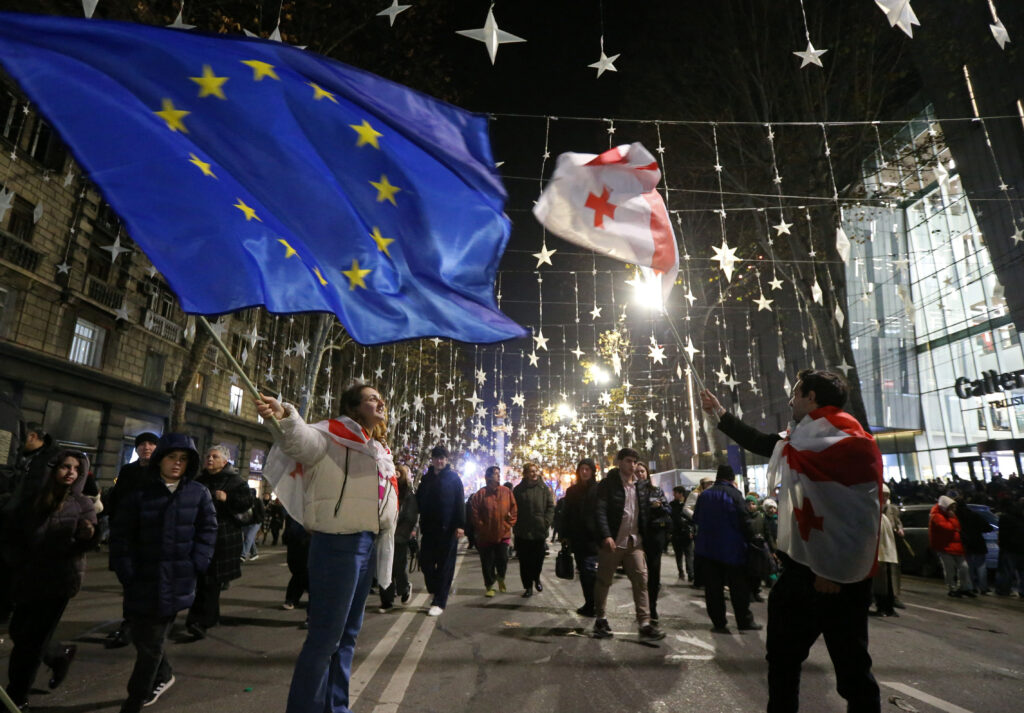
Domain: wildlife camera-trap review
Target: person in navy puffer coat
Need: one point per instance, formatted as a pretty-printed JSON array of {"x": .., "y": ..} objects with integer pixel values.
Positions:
[{"x": 161, "y": 540}]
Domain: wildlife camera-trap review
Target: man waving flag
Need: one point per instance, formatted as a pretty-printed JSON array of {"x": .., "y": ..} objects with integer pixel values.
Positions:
[
  {"x": 609, "y": 203},
  {"x": 255, "y": 173}
]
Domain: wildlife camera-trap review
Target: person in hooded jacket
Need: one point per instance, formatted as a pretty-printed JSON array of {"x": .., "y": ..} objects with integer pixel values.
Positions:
[
  {"x": 535, "y": 506},
  {"x": 944, "y": 538},
  {"x": 46, "y": 538},
  {"x": 492, "y": 512},
  {"x": 232, "y": 497},
  {"x": 440, "y": 498},
  {"x": 578, "y": 531},
  {"x": 161, "y": 540}
]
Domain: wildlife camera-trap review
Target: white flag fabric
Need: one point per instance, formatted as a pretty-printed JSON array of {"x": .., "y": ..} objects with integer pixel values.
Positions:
[
  {"x": 609, "y": 203},
  {"x": 829, "y": 470}
]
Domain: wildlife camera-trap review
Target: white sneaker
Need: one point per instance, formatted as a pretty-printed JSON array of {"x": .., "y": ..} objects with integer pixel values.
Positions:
[
  {"x": 435, "y": 611},
  {"x": 160, "y": 689}
]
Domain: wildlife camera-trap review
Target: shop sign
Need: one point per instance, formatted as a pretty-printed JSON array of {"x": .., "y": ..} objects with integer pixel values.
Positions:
[{"x": 991, "y": 382}]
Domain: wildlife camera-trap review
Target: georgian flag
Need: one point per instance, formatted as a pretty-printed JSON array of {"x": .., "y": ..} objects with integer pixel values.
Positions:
[
  {"x": 830, "y": 503},
  {"x": 609, "y": 203}
]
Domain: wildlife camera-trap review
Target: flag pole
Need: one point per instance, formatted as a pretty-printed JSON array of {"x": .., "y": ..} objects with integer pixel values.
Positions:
[{"x": 237, "y": 368}]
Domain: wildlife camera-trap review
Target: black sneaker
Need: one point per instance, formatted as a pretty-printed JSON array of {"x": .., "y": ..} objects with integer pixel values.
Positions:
[
  {"x": 198, "y": 632},
  {"x": 752, "y": 626},
  {"x": 585, "y": 611},
  {"x": 118, "y": 639},
  {"x": 602, "y": 630},
  {"x": 159, "y": 690},
  {"x": 407, "y": 594},
  {"x": 649, "y": 632}
]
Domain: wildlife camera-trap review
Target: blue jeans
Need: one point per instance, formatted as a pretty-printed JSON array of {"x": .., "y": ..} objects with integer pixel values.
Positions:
[
  {"x": 340, "y": 573},
  {"x": 249, "y": 540}
]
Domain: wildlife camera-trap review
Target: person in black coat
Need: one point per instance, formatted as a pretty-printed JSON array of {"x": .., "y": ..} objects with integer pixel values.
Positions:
[
  {"x": 441, "y": 501},
  {"x": 232, "y": 498},
  {"x": 131, "y": 476},
  {"x": 296, "y": 540},
  {"x": 682, "y": 534},
  {"x": 577, "y": 530},
  {"x": 655, "y": 535},
  {"x": 162, "y": 539},
  {"x": 46, "y": 538}
]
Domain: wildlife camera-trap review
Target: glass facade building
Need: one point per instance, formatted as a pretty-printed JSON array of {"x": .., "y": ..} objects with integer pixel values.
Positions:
[{"x": 936, "y": 350}]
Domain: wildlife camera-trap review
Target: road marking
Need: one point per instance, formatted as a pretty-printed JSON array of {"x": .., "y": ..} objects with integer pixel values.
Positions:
[
  {"x": 925, "y": 698},
  {"x": 689, "y": 657},
  {"x": 694, "y": 641},
  {"x": 940, "y": 611},
  {"x": 383, "y": 649},
  {"x": 394, "y": 694}
]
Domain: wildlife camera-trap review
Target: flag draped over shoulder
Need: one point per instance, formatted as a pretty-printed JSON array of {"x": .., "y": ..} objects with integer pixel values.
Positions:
[
  {"x": 609, "y": 203},
  {"x": 830, "y": 472},
  {"x": 255, "y": 173}
]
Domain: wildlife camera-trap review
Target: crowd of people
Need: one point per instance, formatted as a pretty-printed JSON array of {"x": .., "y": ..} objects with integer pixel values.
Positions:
[{"x": 181, "y": 525}]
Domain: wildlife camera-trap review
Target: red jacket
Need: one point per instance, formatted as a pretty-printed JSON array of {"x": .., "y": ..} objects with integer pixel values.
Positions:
[{"x": 944, "y": 532}]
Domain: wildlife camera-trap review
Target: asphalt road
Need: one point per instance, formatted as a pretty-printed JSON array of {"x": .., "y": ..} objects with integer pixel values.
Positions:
[{"x": 535, "y": 655}]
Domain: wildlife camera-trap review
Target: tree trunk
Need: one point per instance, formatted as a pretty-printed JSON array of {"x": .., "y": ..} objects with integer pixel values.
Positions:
[
  {"x": 312, "y": 364},
  {"x": 186, "y": 377}
]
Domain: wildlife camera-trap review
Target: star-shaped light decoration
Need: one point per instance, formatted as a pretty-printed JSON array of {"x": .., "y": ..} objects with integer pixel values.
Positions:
[
  {"x": 605, "y": 63},
  {"x": 89, "y": 7},
  {"x": 605, "y": 398},
  {"x": 540, "y": 340},
  {"x": 816, "y": 292},
  {"x": 722, "y": 376},
  {"x": 434, "y": 396},
  {"x": 481, "y": 412},
  {"x": 179, "y": 22},
  {"x": 763, "y": 303},
  {"x": 115, "y": 249},
  {"x": 392, "y": 10},
  {"x": 842, "y": 244},
  {"x": 519, "y": 400},
  {"x": 840, "y": 317},
  {"x": 64, "y": 268},
  {"x": 491, "y": 35},
  {"x": 417, "y": 403},
  {"x": 6, "y": 200},
  {"x": 532, "y": 356},
  {"x": 481, "y": 376},
  {"x": 810, "y": 55},
  {"x": 999, "y": 31},
  {"x": 689, "y": 296},
  {"x": 775, "y": 283},
  {"x": 900, "y": 14},
  {"x": 544, "y": 256},
  {"x": 1018, "y": 236},
  {"x": 69, "y": 177},
  {"x": 616, "y": 364},
  {"x": 732, "y": 383},
  {"x": 783, "y": 227},
  {"x": 37, "y": 212},
  {"x": 475, "y": 400},
  {"x": 626, "y": 408},
  {"x": 726, "y": 259},
  {"x": 595, "y": 313},
  {"x": 122, "y": 311},
  {"x": 450, "y": 386},
  {"x": 436, "y": 432},
  {"x": 253, "y": 337},
  {"x": 656, "y": 354},
  {"x": 301, "y": 348},
  {"x": 844, "y": 367},
  {"x": 577, "y": 352},
  {"x": 652, "y": 415}
]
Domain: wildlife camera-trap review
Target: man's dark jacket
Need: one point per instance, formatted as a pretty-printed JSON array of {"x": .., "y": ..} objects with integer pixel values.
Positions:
[
  {"x": 441, "y": 501},
  {"x": 723, "y": 524},
  {"x": 610, "y": 502},
  {"x": 578, "y": 518},
  {"x": 227, "y": 557}
]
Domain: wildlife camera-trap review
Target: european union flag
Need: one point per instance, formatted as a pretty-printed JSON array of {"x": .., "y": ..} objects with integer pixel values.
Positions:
[{"x": 255, "y": 173}]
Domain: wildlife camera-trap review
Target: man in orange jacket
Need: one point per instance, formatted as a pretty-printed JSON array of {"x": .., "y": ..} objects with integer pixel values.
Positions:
[{"x": 492, "y": 511}]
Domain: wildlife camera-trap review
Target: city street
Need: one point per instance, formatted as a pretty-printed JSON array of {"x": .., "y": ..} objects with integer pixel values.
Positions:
[{"x": 536, "y": 655}]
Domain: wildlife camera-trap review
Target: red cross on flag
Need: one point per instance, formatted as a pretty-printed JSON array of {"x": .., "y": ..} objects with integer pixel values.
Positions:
[
  {"x": 829, "y": 471},
  {"x": 609, "y": 203}
]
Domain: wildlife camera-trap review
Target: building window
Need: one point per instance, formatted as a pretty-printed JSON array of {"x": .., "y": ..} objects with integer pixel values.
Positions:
[
  {"x": 11, "y": 116},
  {"x": 153, "y": 372},
  {"x": 87, "y": 343},
  {"x": 236, "y": 401},
  {"x": 22, "y": 220},
  {"x": 46, "y": 147}
]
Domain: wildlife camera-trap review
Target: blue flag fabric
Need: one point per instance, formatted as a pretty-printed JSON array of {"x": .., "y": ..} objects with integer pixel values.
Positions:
[{"x": 255, "y": 173}]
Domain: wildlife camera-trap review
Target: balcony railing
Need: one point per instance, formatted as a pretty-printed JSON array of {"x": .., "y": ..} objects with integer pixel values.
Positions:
[
  {"x": 162, "y": 327},
  {"x": 18, "y": 252},
  {"x": 104, "y": 293}
]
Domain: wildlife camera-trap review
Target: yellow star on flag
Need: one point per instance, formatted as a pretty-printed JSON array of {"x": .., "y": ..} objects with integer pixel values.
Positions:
[
  {"x": 210, "y": 84},
  {"x": 319, "y": 92},
  {"x": 385, "y": 191},
  {"x": 249, "y": 212},
  {"x": 173, "y": 116},
  {"x": 289, "y": 250},
  {"x": 320, "y": 277},
  {"x": 261, "y": 70},
  {"x": 355, "y": 276},
  {"x": 367, "y": 134},
  {"x": 202, "y": 165},
  {"x": 382, "y": 242}
]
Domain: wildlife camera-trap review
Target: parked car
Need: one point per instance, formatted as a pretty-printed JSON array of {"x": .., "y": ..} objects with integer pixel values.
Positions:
[{"x": 916, "y": 557}]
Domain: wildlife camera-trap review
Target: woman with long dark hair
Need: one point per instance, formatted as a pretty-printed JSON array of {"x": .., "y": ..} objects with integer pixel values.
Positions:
[
  {"x": 349, "y": 503},
  {"x": 46, "y": 540}
]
